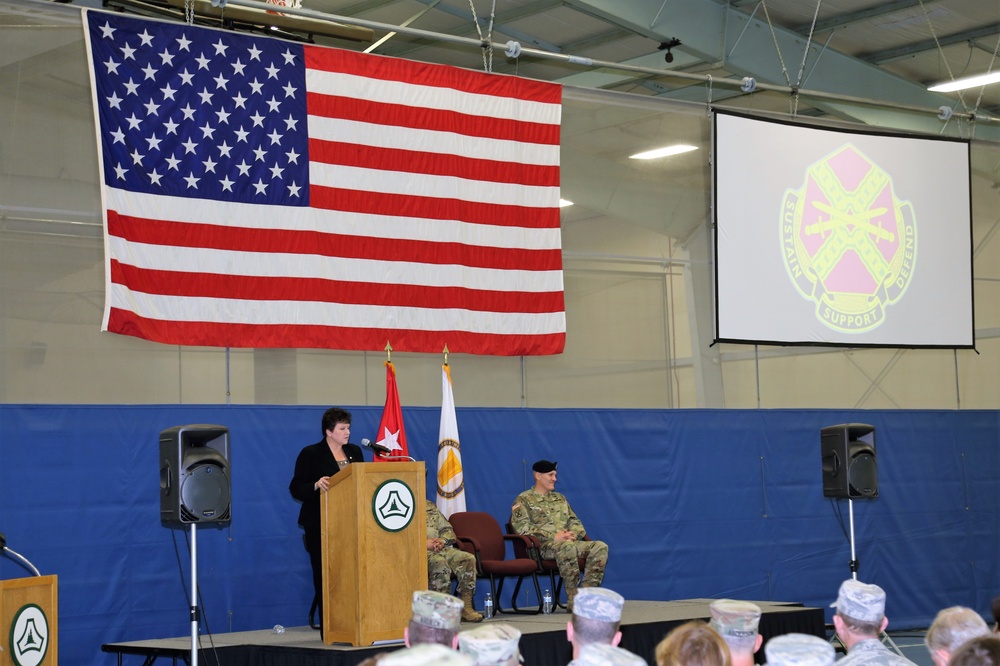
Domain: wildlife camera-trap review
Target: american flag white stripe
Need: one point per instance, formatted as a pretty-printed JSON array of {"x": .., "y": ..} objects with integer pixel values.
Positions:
[
  {"x": 397, "y": 182},
  {"x": 452, "y": 143}
]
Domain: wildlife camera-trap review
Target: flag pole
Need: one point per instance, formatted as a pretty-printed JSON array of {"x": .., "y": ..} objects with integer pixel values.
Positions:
[
  {"x": 446, "y": 354},
  {"x": 388, "y": 352}
]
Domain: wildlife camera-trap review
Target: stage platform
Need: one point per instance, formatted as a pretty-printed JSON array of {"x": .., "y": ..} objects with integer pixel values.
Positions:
[{"x": 543, "y": 639}]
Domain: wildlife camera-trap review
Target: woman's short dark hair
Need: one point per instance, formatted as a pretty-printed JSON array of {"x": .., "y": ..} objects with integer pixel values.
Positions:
[{"x": 333, "y": 416}]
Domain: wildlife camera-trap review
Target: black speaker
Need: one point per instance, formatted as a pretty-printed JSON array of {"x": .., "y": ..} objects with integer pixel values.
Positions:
[
  {"x": 194, "y": 475},
  {"x": 850, "y": 469}
]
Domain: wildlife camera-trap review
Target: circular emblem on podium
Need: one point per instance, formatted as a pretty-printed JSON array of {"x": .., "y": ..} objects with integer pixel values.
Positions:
[
  {"x": 29, "y": 636},
  {"x": 392, "y": 505}
]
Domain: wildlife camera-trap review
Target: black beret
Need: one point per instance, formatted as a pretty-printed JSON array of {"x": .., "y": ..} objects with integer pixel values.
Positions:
[{"x": 544, "y": 466}]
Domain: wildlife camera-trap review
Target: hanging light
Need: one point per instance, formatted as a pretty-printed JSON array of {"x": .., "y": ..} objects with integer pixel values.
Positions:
[
  {"x": 967, "y": 82},
  {"x": 666, "y": 151}
]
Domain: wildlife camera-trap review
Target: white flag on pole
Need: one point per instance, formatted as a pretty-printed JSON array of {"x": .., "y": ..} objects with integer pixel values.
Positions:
[{"x": 450, "y": 478}]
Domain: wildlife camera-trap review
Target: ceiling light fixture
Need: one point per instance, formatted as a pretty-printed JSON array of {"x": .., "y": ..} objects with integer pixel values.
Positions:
[
  {"x": 967, "y": 82},
  {"x": 666, "y": 151}
]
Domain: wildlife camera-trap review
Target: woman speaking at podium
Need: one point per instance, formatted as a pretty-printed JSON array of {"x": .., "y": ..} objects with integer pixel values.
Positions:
[{"x": 313, "y": 468}]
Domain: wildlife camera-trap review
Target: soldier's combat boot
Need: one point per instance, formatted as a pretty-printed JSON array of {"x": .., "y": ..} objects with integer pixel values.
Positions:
[{"x": 469, "y": 613}]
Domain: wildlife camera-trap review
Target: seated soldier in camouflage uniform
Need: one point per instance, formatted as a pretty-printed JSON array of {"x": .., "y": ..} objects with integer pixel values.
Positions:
[
  {"x": 541, "y": 512},
  {"x": 444, "y": 557}
]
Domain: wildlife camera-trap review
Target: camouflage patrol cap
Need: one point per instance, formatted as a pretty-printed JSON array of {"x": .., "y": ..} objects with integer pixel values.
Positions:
[
  {"x": 861, "y": 601},
  {"x": 598, "y": 603},
  {"x": 798, "y": 650},
  {"x": 602, "y": 654},
  {"x": 544, "y": 466},
  {"x": 735, "y": 619},
  {"x": 434, "y": 609},
  {"x": 491, "y": 644},
  {"x": 430, "y": 654}
]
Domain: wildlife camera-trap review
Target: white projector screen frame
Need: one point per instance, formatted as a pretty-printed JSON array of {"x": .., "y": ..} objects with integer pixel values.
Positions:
[{"x": 843, "y": 238}]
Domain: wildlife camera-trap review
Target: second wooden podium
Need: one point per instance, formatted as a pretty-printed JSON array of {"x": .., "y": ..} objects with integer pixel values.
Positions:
[{"x": 374, "y": 550}]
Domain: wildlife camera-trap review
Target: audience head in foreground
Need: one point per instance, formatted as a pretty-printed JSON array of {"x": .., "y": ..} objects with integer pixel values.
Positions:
[
  {"x": 798, "y": 650},
  {"x": 693, "y": 644},
  {"x": 995, "y": 608},
  {"x": 436, "y": 618},
  {"x": 952, "y": 627},
  {"x": 602, "y": 654},
  {"x": 859, "y": 621},
  {"x": 597, "y": 616},
  {"x": 980, "y": 651},
  {"x": 737, "y": 622},
  {"x": 860, "y": 612},
  {"x": 491, "y": 645},
  {"x": 424, "y": 655}
]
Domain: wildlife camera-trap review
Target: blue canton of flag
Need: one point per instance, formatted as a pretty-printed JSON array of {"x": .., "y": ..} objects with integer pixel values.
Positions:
[{"x": 192, "y": 112}]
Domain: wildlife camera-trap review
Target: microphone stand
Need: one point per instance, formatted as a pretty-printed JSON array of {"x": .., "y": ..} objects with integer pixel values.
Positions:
[
  {"x": 18, "y": 556},
  {"x": 410, "y": 458}
]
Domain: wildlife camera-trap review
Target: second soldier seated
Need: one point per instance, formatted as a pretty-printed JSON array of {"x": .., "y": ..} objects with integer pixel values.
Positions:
[
  {"x": 543, "y": 513},
  {"x": 444, "y": 558}
]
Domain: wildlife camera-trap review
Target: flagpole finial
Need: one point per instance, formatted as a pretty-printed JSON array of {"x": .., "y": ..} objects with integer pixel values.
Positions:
[
  {"x": 388, "y": 352},
  {"x": 445, "y": 351}
]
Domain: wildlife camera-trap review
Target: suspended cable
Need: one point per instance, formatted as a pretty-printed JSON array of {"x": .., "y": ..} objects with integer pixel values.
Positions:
[
  {"x": 989, "y": 69},
  {"x": 487, "y": 39},
  {"x": 777, "y": 49},
  {"x": 805, "y": 53}
]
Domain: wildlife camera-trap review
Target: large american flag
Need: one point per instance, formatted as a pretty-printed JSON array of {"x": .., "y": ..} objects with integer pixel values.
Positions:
[{"x": 262, "y": 193}]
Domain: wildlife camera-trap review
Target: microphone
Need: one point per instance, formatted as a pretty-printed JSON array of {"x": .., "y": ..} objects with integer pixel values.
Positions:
[{"x": 377, "y": 448}]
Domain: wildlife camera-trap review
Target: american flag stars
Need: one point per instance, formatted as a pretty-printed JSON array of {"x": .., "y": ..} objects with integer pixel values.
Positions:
[{"x": 208, "y": 114}]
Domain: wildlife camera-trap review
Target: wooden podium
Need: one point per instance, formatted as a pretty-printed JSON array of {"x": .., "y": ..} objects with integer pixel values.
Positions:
[
  {"x": 29, "y": 625},
  {"x": 374, "y": 550}
]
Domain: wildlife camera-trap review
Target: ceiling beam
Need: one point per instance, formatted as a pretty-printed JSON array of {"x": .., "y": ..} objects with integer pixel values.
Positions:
[
  {"x": 896, "y": 53},
  {"x": 743, "y": 45},
  {"x": 850, "y": 18}
]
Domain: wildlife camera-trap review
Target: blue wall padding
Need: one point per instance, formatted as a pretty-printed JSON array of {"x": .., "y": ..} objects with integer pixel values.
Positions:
[{"x": 694, "y": 503}]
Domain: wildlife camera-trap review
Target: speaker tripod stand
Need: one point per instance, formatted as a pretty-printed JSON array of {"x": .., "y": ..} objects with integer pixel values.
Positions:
[
  {"x": 884, "y": 637},
  {"x": 195, "y": 615}
]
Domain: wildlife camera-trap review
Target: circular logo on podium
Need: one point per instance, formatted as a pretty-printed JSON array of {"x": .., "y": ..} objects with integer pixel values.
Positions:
[
  {"x": 29, "y": 636},
  {"x": 392, "y": 505}
]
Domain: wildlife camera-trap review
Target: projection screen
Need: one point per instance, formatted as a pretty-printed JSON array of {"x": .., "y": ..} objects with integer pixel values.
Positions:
[{"x": 833, "y": 237}]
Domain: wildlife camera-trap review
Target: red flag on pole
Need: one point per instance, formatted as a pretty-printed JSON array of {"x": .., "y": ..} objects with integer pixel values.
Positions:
[{"x": 390, "y": 429}]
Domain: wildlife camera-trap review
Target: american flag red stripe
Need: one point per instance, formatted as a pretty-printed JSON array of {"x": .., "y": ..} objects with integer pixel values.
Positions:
[
  {"x": 265, "y": 194},
  {"x": 200, "y": 335},
  {"x": 161, "y": 232}
]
